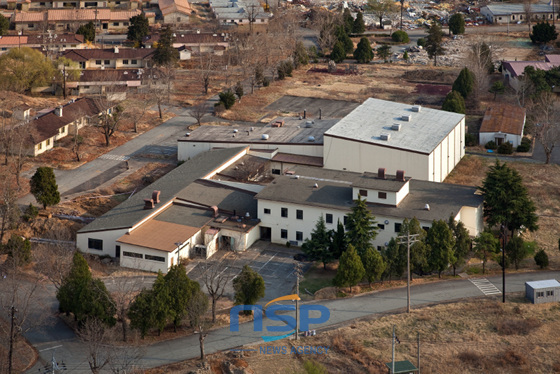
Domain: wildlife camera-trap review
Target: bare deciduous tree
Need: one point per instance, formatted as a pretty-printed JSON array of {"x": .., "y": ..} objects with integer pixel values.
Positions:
[
  {"x": 125, "y": 289},
  {"x": 196, "y": 310},
  {"x": 94, "y": 334},
  {"x": 137, "y": 107},
  {"x": 215, "y": 278},
  {"x": 199, "y": 110},
  {"x": 9, "y": 209},
  {"x": 53, "y": 259},
  {"x": 479, "y": 62},
  {"x": 547, "y": 130},
  {"x": 528, "y": 12}
]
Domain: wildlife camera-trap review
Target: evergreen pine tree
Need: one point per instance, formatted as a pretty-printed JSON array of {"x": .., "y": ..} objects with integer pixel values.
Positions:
[
  {"x": 361, "y": 227},
  {"x": 350, "y": 269},
  {"x": 434, "y": 42},
  {"x": 441, "y": 242},
  {"x": 142, "y": 312},
  {"x": 359, "y": 26},
  {"x": 374, "y": 265},
  {"x": 418, "y": 250},
  {"x": 363, "y": 53},
  {"x": 464, "y": 84},
  {"x": 338, "y": 54},
  {"x": 485, "y": 247},
  {"x": 338, "y": 241},
  {"x": 457, "y": 24},
  {"x": 165, "y": 54},
  {"x": 318, "y": 246},
  {"x": 162, "y": 303},
  {"x": 395, "y": 259},
  {"x": 462, "y": 243},
  {"x": 44, "y": 188},
  {"x": 180, "y": 289},
  {"x": 249, "y": 287},
  {"x": 454, "y": 102}
]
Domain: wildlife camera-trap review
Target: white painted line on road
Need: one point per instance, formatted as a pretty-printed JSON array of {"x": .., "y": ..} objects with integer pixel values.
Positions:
[
  {"x": 216, "y": 277},
  {"x": 485, "y": 286},
  {"x": 114, "y": 157},
  {"x": 266, "y": 263},
  {"x": 47, "y": 349}
]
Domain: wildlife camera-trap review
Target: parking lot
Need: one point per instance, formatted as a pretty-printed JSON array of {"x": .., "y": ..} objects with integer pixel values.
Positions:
[{"x": 275, "y": 263}]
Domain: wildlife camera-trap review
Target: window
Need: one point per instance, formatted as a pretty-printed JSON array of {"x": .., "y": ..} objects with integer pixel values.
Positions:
[
  {"x": 275, "y": 171},
  {"x": 48, "y": 142},
  {"x": 284, "y": 234},
  {"x": 95, "y": 244},
  {"x": 549, "y": 293},
  {"x": 299, "y": 236},
  {"x": 540, "y": 294},
  {"x": 134, "y": 62},
  {"x": 381, "y": 226},
  {"x": 345, "y": 220},
  {"x": 178, "y": 19},
  {"x": 328, "y": 218},
  {"x": 266, "y": 210},
  {"x": 398, "y": 227},
  {"x": 30, "y": 26},
  {"x": 363, "y": 193},
  {"x": 107, "y": 62},
  {"x": 284, "y": 212},
  {"x": 132, "y": 254},
  {"x": 155, "y": 258},
  {"x": 97, "y": 62},
  {"x": 382, "y": 195},
  {"x": 425, "y": 228},
  {"x": 125, "y": 62},
  {"x": 61, "y": 130},
  {"x": 299, "y": 214},
  {"x": 83, "y": 64},
  {"x": 73, "y": 45},
  {"x": 39, "y": 146},
  {"x": 115, "y": 23}
]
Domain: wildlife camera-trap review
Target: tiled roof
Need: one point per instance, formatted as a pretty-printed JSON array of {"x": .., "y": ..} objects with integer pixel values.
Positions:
[
  {"x": 110, "y": 75},
  {"x": 508, "y": 119},
  {"x": 172, "y": 6},
  {"x": 190, "y": 38},
  {"x": 108, "y": 54},
  {"x": 47, "y": 126},
  {"x": 58, "y": 15},
  {"x": 13, "y": 40},
  {"x": 298, "y": 159},
  {"x": 516, "y": 68},
  {"x": 159, "y": 235},
  {"x": 55, "y": 39}
]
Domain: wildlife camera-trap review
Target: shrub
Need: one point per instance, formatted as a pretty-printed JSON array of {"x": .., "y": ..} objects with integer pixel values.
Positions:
[
  {"x": 512, "y": 358},
  {"x": 400, "y": 36},
  {"x": 517, "y": 326},
  {"x": 266, "y": 82},
  {"x": 470, "y": 140},
  {"x": 30, "y": 213},
  {"x": 454, "y": 102},
  {"x": 227, "y": 98},
  {"x": 491, "y": 145},
  {"x": 288, "y": 244},
  {"x": 505, "y": 148},
  {"x": 421, "y": 42},
  {"x": 285, "y": 69},
  {"x": 314, "y": 367},
  {"x": 523, "y": 147},
  {"x": 541, "y": 259}
]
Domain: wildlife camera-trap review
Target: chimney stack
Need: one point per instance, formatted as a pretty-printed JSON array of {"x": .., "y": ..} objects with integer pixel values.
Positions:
[
  {"x": 215, "y": 209},
  {"x": 381, "y": 173},
  {"x": 400, "y": 175},
  {"x": 148, "y": 204},
  {"x": 58, "y": 111},
  {"x": 155, "y": 196},
  {"x": 116, "y": 49}
]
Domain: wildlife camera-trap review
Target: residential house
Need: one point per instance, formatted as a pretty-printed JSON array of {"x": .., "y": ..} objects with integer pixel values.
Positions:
[
  {"x": 503, "y": 123},
  {"x": 93, "y": 82},
  {"x": 175, "y": 12},
  {"x": 513, "y": 70},
  {"x": 47, "y": 42},
  {"x": 57, "y": 123},
  {"x": 71, "y": 19},
  {"x": 503, "y": 13},
  {"x": 35, "y": 5},
  {"x": 239, "y": 12},
  {"x": 113, "y": 58},
  {"x": 196, "y": 41}
]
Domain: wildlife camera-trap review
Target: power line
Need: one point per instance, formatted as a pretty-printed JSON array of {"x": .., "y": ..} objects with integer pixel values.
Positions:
[{"x": 408, "y": 239}]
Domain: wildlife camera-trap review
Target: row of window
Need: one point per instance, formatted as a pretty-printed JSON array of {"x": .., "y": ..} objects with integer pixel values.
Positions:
[
  {"x": 108, "y": 62},
  {"x": 284, "y": 235},
  {"x": 140, "y": 255},
  {"x": 548, "y": 293},
  {"x": 284, "y": 212},
  {"x": 380, "y": 195}
]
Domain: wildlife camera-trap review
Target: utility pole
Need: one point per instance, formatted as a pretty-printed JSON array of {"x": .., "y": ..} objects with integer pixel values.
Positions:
[
  {"x": 408, "y": 239},
  {"x": 299, "y": 275},
  {"x": 418, "y": 358},
  {"x": 393, "y": 349},
  {"x": 504, "y": 235},
  {"x": 11, "y": 352},
  {"x": 402, "y": 6}
]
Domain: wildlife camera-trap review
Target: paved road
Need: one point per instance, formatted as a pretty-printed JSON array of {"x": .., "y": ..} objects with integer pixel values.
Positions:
[
  {"x": 538, "y": 154},
  {"x": 73, "y": 353}
]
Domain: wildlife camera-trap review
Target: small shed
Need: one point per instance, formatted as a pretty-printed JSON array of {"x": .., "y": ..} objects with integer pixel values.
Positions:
[
  {"x": 545, "y": 291},
  {"x": 402, "y": 367},
  {"x": 502, "y": 123}
]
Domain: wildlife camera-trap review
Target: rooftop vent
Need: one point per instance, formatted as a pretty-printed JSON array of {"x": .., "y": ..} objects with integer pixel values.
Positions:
[
  {"x": 427, "y": 207},
  {"x": 155, "y": 196},
  {"x": 406, "y": 117},
  {"x": 125, "y": 72},
  {"x": 311, "y": 139},
  {"x": 417, "y": 108},
  {"x": 400, "y": 175},
  {"x": 235, "y": 131},
  {"x": 381, "y": 173},
  {"x": 58, "y": 111},
  {"x": 264, "y": 137},
  {"x": 385, "y": 136},
  {"x": 215, "y": 209},
  {"x": 396, "y": 127},
  {"x": 308, "y": 124},
  {"x": 148, "y": 204},
  {"x": 315, "y": 185}
]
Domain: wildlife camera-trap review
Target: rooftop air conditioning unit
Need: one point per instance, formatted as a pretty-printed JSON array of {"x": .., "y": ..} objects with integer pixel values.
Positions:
[
  {"x": 385, "y": 136},
  {"x": 311, "y": 139},
  {"x": 407, "y": 117},
  {"x": 396, "y": 127},
  {"x": 308, "y": 123},
  {"x": 264, "y": 137},
  {"x": 417, "y": 108}
]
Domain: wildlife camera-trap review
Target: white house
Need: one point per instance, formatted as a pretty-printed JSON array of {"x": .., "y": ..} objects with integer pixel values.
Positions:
[
  {"x": 427, "y": 143},
  {"x": 289, "y": 207},
  {"x": 503, "y": 123},
  {"x": 504, "y": 13}
]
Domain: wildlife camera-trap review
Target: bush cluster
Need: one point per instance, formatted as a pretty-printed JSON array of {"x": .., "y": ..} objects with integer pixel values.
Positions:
[
  {"x": 505, "y": 148},
  {"x": 525, "y": 145}
]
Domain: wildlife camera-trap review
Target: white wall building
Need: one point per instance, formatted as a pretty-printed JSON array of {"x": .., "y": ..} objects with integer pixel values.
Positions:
[
  {"x": 502, "y": 123},
  {"x": 426, "y": 143},
  {"x": 290, "y": 207}
]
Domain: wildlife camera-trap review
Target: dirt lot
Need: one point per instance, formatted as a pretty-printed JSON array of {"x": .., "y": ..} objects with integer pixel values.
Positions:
[{"x": 478, "y": 336}]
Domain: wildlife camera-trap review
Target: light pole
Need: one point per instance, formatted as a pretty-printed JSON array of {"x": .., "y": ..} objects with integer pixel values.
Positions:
[{"x": 504, "y": 236}]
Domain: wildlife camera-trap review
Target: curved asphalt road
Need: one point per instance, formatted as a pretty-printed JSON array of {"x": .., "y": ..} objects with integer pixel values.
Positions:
[{"x": 68, "y": 349}]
